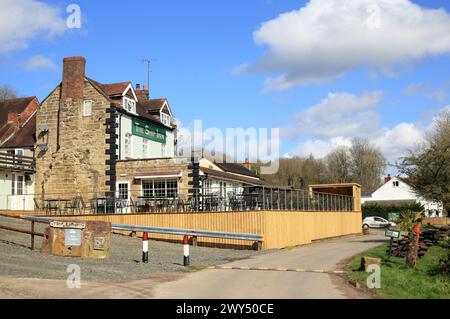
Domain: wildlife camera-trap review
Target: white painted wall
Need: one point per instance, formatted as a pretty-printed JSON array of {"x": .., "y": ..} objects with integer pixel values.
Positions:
[
  {"x": 154, "y": 148},
  {"x": 15, "y": 202},
  {"x": 389, "y": 192}
]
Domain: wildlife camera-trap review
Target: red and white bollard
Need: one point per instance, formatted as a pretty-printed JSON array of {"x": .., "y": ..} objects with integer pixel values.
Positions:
[
  {"x": 145, "y": 248},
  {"x": 186, "y": 251}
]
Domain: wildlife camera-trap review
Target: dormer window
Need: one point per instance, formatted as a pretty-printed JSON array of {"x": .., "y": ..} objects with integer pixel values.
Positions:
[
  {"x": 129, "y": 105},
  {"x": 165, "y": 119}
]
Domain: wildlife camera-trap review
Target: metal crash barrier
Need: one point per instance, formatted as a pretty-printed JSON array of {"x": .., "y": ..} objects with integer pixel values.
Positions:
[{"x": 194, "y": 234}]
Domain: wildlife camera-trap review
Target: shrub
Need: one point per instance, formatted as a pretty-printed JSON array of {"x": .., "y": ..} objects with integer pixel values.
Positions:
[{"x": 382, "y": 210}]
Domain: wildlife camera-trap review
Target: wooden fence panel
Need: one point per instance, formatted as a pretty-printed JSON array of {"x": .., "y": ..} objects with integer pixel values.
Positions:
[{"x": 279, "y": 228}]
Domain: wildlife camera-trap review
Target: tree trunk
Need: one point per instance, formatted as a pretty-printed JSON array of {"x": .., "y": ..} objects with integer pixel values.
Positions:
[{"x": 413, "y": 250}]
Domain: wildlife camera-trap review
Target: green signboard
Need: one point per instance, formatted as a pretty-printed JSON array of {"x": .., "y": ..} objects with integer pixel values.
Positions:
[
  {"x": 146, "y": 130},
  {"x": 392, "y": 233}
]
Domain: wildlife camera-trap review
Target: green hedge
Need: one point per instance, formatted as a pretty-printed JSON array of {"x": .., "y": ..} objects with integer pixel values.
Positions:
[{"x": 382, "y": 210}]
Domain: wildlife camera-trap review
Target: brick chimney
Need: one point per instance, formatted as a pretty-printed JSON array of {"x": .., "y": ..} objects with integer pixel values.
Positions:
[
  {"x": 73, "y": 78},
  {"x": 247, "y": 164},
  {"x": 387, "y": 179},
  {"x": 142, "y": 94}
]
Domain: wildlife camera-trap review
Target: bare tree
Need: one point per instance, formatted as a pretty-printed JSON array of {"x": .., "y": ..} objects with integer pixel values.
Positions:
[
  {"x": 368, "y": 164},
  {"x": 6, "y": 92},
  {"x": 428, "y": 168},
  {"x": 338, "y": 165}
]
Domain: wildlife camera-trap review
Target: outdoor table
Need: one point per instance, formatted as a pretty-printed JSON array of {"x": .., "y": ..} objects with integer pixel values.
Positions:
[{"x": 52, "y": 204}]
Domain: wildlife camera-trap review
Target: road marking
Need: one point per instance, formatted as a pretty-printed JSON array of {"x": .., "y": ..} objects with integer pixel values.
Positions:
[
  {"x": 318, "y": 270},
  {"x": 279, "y": 269}
]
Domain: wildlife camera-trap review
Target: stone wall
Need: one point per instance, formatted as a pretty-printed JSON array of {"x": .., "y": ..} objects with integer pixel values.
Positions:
[
  {"x": 127, "y": 170},
  {"x": 74, "y": 163}
]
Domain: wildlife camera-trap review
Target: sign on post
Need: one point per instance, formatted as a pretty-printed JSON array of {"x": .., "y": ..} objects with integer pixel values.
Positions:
[{"x": 392, "y": 233}]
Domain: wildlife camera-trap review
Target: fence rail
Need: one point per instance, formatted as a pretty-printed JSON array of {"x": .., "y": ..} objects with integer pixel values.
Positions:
[
  {"x": 169, "y": 231},
  {"x": 17, "y": 162},
  {"x": 174, "y": 200}
]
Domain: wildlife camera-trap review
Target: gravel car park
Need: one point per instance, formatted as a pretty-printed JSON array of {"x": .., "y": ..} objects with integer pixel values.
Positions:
[{"x": 18, "y": 260}]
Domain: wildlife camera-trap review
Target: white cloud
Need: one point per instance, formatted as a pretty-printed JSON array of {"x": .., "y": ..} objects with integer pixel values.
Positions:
[
  {"x": 326, "y": 38},
  {"x": 23, "y": 20},
  {"x": 439, "y": 94},
  {"x": 40, "y": 62},
  {"x": 339, "y": 118},
  {"x": 321, "y": 148},
  {"x": 397, "y": 141},
  {"x": 339, "y": 114}
]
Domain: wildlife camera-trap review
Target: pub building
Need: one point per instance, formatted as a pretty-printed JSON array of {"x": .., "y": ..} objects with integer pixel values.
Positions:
[{"x": 97, "y": 141}]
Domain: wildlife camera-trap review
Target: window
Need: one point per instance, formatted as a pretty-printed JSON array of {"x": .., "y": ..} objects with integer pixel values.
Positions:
[
  {"x": 396, "y": 184},
  {"x": 165, "y": 119},
  {"x": 20, "y": 180},
  {"x": 87, "y": 109},
  {"x": 145, "y": 148},
  {"x": 127, "y": 144},
  {"x": 123, "y": 191},
  {"x": 13, "y": 184},
  {"x": 129, "y": 105},
  {"x": 160, "y": 188}
]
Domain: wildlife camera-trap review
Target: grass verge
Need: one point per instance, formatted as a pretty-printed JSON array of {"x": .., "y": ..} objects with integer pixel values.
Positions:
[{"x": 398, "y": 281}]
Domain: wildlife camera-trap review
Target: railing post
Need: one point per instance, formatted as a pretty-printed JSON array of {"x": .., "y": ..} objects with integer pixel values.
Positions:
[
  {"x": 186, "y": 261},
  {"x": 264, "y": 198},
  {"x": 145, "y": 248},
  {"x": 32, "y": 235}
]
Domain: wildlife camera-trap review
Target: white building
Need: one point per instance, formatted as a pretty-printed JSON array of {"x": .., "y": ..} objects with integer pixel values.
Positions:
[
  {"x": 395, "y": 190},
  {"x": 17, "y": 131}
]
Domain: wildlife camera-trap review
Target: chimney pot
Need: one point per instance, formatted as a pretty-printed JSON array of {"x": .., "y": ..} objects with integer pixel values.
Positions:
[
  {"x": 138, "y": 86},
  {"x": 73, "y": 77}
]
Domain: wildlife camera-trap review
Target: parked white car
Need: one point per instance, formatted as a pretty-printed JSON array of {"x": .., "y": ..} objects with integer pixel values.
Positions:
[{"x": 376, "y": 222}]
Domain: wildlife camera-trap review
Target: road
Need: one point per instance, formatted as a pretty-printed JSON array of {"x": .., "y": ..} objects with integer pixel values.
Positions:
[
  {"x": 227, "y": 283},
  {"x": 262, "y": 284}
]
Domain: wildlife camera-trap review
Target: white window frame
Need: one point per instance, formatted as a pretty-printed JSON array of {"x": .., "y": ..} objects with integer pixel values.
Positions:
[
  {"x": 161, "y": 180},
  {"x": 85, "y": 103},
  {"x": 128, "y": 151},
  {"x": 163, "y": 150},
  {"x": 145, "y": 148},
  {"x": 165, "y": 119},
  {"x": 126, "y": 102},
  {"x": 128, "y": 188},
  {"x": 15, "y": 185}
]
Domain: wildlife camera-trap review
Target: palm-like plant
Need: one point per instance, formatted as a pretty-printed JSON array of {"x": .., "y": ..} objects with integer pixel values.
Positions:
[{"x": 408, "y": 221}]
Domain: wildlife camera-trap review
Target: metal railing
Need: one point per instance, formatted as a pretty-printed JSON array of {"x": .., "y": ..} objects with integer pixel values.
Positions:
[
  {"x": 180, "y": 200},
  {"x": 167, "y": 231}
]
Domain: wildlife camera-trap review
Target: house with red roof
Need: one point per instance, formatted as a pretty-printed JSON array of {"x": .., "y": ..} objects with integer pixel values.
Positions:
[{"x": 17, "y": 142}]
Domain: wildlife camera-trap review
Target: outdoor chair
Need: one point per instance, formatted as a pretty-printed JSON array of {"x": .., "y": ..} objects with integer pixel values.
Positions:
[
  {"x": 141, "y": 205},
  {"x": 72, "y": 206},
  {"x": 37, "y": 205},
  {"x": 51, "y": 207}
]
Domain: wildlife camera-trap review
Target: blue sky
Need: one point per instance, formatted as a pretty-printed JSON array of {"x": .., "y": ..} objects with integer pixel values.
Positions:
[{"x": 208, "y": 63}]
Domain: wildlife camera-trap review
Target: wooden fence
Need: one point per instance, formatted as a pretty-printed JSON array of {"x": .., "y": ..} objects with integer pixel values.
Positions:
[{"x": 279, "y": 228}]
